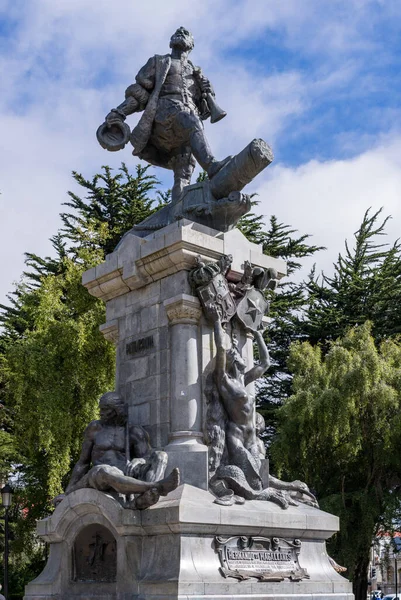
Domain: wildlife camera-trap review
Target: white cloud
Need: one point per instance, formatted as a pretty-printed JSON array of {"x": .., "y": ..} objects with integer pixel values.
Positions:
[
  {"x": 56, "y": 95},
  {"x": 329, "y": 199}
]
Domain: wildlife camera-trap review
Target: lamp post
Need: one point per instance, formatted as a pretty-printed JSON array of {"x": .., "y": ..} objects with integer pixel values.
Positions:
[{"x": 6, "y": 499}]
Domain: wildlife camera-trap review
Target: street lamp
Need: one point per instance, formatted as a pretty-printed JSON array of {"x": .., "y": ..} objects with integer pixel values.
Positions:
[
  {"x": 396, "y": 551},
  {"x": 6, "y": 499}
]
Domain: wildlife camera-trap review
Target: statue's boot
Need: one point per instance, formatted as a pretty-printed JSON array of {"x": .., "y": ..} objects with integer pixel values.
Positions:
[
  {"x": 217, "y": 165},
  {"x": 203, "y": 154}
]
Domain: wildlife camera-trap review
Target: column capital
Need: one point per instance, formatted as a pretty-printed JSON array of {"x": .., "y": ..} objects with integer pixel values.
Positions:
[{"x": 183, "y": 309}]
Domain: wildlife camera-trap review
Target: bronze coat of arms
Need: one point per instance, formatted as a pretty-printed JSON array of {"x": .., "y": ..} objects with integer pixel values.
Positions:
[
  {"x": 217, "y": 293},
  {"x": 252, "y": 308}
]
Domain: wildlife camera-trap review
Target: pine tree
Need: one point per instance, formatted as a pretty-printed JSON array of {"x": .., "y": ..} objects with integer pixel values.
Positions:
[
  {"x": 366, "y": 285},
  {"x": 114, "y": 203},
  {"x": 287, "y": 305},
  {"x": 342, "y": 422}
]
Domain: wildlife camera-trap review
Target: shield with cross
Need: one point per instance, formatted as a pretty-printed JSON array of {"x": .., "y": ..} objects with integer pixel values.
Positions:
[{"x": 217, "y": 293}]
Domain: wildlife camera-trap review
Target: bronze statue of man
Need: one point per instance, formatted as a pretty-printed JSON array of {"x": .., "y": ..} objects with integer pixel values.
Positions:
[
  {"x": 175, "y": 97},
  {"x": 105, "y": 463}
]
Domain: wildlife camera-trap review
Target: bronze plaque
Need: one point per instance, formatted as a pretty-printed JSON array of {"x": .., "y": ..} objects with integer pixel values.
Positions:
[
  {"x": 141, "y": 345},
  {"x": 267, "y": 559},
  {"x": 95, "y": 555}
]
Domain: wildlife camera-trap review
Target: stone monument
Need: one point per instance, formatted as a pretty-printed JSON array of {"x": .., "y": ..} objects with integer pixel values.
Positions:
[{"x": 185, "y": 303}]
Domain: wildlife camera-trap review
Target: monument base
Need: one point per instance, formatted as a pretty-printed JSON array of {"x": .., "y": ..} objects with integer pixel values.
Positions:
[{"x": 186, "y": 547}]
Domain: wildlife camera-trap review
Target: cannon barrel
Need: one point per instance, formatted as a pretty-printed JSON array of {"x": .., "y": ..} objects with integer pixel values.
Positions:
[{"x": 241, "y": 169}]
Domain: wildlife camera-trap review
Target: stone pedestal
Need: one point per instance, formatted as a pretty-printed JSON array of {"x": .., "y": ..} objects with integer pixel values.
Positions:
[
  {"x": 169, "y": 552},
  {"x": 165, "y": 347},
  {"x": 165, "y": 353}
]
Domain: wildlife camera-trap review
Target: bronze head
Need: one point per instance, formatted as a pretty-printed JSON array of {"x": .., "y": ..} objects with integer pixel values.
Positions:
[
  {"x": 112, "y": 407},
  {"x": 182, "y": 39}
]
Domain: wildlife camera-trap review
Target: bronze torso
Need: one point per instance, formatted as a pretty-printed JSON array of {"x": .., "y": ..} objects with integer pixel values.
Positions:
[
  {"x": 180, "y": 83},
  {"x": 109, "y": 446}
]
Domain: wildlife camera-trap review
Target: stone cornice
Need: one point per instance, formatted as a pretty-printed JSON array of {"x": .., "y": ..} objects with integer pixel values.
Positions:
[{"x": 139, "y": 261}]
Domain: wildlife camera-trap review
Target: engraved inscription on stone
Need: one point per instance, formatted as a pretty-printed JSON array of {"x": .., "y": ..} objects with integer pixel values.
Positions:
[
  {"x": 140, "y": 345},
  {"x": 267, "y": 559},
  {"x": 95, "y": 555}
]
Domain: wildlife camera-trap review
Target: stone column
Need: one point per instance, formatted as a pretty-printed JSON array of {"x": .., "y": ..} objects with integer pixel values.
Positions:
[{"x": 186, "y": 449}]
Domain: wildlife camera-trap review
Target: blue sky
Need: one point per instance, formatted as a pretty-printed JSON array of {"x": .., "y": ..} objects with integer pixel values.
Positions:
[{"x": 317, "y": 79}]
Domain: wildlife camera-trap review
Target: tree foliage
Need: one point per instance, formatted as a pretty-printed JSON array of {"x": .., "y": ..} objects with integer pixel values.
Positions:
[
  {"x": 340, "y": 431},
  {"x": 113, "y": 205},
  {"x": 288, "y": 304},
  {"x": 54, "y": 362},
  {"x": 366, "y": 285},
  {"x": 56, "y": 372},
  {"x": 351, "y": 451}
]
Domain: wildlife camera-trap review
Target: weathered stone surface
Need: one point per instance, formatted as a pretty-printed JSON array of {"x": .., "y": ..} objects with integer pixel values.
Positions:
[
  {"x": 186, "y": 449},
  {"x": 168, "y": 551},
  {"x": 110, "y": 330},
  {"x": 189, "y": 454}
]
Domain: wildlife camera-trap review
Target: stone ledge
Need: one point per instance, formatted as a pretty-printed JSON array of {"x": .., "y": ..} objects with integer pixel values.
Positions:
[
  {"x": 79, "y": 507},
  {"x": 189, "y": 510},
  {"x": 139, "y": 261}
]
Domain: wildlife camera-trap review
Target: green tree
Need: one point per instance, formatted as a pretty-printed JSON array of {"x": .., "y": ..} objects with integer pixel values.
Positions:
[
  {"x": 340, "y": 431},
  {"x": 54, "y": 362},
  {"x": 113, "y": 205},
  {"x": 56, "y": 372},
  {"x": 366, "y": 285},
  {"x": 288, "y": 304}
]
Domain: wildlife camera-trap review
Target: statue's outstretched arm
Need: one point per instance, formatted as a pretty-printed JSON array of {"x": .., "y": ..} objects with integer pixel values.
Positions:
[
  {"x": 129, "y": 106},
  {"x": 221, "y": 353},
  {"x": 136, "y": 94},
  {"x": 264, "y": 360}
]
